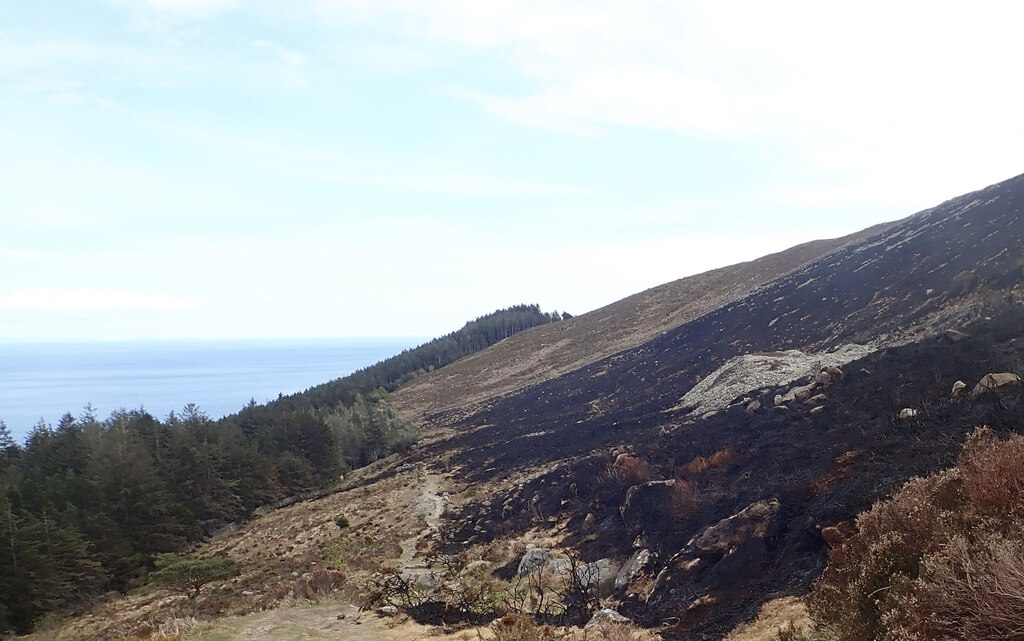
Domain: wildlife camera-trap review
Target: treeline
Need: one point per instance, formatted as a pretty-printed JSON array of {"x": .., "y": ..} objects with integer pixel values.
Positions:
[
  {"x": 87, "y": 505},
  {"x": 393, "y": 372}
]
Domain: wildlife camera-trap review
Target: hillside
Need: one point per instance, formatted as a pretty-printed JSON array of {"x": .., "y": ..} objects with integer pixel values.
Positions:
[
  {"x": 692, "y": 452},
  {"x": 552, "y": 350}
]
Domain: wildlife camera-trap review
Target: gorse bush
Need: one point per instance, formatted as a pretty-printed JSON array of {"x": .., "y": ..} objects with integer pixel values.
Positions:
[{"x": 944, "y": 559}]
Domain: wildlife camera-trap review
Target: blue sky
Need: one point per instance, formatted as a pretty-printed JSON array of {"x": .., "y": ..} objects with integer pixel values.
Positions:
[{"x": 234, "y": 169}]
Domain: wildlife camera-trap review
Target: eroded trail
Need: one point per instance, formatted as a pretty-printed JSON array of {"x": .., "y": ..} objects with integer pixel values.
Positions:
[{"x": 429, "y": 505}]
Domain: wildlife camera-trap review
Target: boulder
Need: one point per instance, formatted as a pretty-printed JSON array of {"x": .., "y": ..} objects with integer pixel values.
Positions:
[
  {"x": 959, "y": 390},
  {"x": 778, "y": 400},
  {"x": 604, "y": 615},
  {"x": 815, "y": 400},
  {"x": 907, "y": 413},
  {"x": 534, "y": 560},
  {"x": 588, "y": 522},
  {"x": 649, "y": 503},
  {"x": 631, "y": 568},
  {"x": 598, "y": 577},
  {"x": 753, "y": 407},
  {"x": 834, "y": 372},
  {"x": 751, "y": 521},
  {"x": 995, "y": 383}
]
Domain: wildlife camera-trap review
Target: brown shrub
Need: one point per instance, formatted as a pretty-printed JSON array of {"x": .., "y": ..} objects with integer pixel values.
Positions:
[
  {"x": 634, "y": 470},
  {"x": 722, "y": 458},
  {"x": 943, "y": 559},
  {"x": 318, "y": 584}
]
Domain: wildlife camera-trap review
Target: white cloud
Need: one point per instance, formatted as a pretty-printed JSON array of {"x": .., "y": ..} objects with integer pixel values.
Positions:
[
  {"x": 90, "y": 299},
  {"x": 294, "y": 58}
]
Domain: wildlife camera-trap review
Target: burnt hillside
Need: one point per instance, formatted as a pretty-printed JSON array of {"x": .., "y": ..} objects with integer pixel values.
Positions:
[{"x": 957, "y": 266}]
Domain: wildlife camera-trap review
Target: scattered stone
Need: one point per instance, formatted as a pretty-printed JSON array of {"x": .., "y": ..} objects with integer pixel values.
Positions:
[
  {"x": 534, "y": 560},
  {"x": 817, "y": 410},
  {"x": 607, "y": 614},
  {"x": 753, "y": 407},
  {"x": 589, "y": 521},
  {"x": 778, "y": 400},
  {"x": 816, "y": 400},
  {"x": 248, "y": 593},
  {"x": 959, "y": 390},
  {"x": 834, "y": 372},
  {"x": 907, "y": 413},
  {"x": 995, "y": 383},
  {"x": 631, "y": 568},
  {"x": 341, "y": 617},
  {"x": 751, "y": 521},
  {"x": 389, "y": 610}
]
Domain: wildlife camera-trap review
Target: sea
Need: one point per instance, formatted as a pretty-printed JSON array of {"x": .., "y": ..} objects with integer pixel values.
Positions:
[{"x": 41, "y": 381}]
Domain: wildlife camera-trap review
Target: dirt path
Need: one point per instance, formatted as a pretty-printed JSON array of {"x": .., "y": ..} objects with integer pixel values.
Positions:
[
  {"x": 334, "y": 620},
  {"x": 429, "y": 505}
]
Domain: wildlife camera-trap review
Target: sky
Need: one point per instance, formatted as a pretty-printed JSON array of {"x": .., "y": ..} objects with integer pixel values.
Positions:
[{"x": 176, "y": 169}]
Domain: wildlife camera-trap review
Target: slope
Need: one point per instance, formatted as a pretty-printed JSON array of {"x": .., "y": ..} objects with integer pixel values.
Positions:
[{"x": 552, "y": 350}]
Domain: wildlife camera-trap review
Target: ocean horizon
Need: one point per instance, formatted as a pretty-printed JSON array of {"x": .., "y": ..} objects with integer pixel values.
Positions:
[{"x": 43, "y": 380}]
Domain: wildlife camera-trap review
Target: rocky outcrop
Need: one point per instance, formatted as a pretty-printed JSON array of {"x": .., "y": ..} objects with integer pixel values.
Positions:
[
  {"x": 995, "y": 383},
  {"x": 744, "y": 374},
  {"x": 751, "y": 521}
]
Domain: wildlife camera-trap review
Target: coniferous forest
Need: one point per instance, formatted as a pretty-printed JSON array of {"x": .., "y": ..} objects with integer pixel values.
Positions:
[{"x": 88, "y": 504}]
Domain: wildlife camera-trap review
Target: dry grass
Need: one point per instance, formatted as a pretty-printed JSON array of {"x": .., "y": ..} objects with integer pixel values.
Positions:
[{"x": 785, "y": 618}]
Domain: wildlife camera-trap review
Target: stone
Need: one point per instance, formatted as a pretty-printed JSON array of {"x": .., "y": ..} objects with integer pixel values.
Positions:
[
  {"x": 995, "y": 383},
  {"x": 534, "y": 560},
  {"x": 753, "y": 407},
  {"x": 752, "y": 521},
  {"x": 598, "y": 577},
  {"x": 607, "y": 614},
  {"x": 815, "y": 400},
  {"x": 588, "y": 522},
  {"x": 817, "y": 410},
  {"x": 631, "y": 568},
  {"x": 778, "y": 400},
  {"x": 649, "y": 504},
  {"x": 907, "y": 413},
  {"x": 834, "y": 372},
  {"x": 822, "y": 378},
  {"x": 959, "y": 390}
]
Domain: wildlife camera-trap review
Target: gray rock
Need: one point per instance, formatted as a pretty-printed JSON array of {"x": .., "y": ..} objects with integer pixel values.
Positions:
[
  {"x": 606, "y": 614},
  {"x": 631, "y": 568},
  {"x": 995, "y": 383},
  {"x": 751, "y": 521},
  {"x": 534, "y": 560},
  {"x": 598, "y": 577},
  {"x": 959, "y": 390},
  {"x": 907, "y": 413}
]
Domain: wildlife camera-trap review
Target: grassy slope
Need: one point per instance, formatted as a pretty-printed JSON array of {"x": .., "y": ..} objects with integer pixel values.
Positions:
[{"x": 546, "y": 352}]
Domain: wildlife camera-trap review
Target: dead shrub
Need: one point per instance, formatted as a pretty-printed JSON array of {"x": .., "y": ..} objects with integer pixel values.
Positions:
[
  {"x": 319, "y": 584},
  {"x": 700, "y": 464},
  {"x": 634, "y": 470},
  {"x": 944, "y": 558},
  {"x": 521, "y": 627},
  {"x": 683, "y": 502}
]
